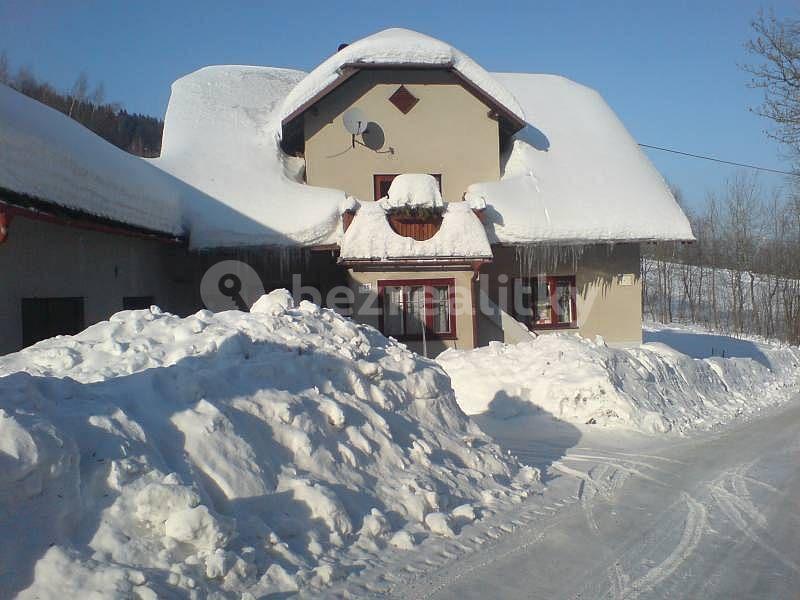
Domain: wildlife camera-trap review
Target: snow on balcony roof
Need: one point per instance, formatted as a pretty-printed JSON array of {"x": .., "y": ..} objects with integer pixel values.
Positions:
[
  {"x": 398, "y": 47},
  {"x": 47, "y": 155},
  {"x": 575, "y": 174},
  {"x": 222, "y": 138},
  {"x": 370, "y": 237},
  {"x": 413, "y": 190}
]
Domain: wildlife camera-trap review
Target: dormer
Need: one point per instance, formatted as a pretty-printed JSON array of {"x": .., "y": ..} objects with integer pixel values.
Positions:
[{"x": 429, "y": 109}]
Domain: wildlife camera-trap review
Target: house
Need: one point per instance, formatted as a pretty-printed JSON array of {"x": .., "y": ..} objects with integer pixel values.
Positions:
[
  {"x": 398, "y": 181},
  {"x": 547, "y": 198}
]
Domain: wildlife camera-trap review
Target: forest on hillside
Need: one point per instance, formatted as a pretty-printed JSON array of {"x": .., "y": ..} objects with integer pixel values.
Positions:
[
  {"x": 742, "y": 275},
  {"x": 135, "y": 133}
]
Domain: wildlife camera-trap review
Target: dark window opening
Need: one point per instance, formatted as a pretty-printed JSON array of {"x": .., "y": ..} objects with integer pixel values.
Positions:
[
  {"x": 546, "y": 302},
  {"x": 409, "y": 306},
  {"x": 381, "y": 183},
  {"x": 137, "y": 302},
  {"x": 43, "y": 318}
]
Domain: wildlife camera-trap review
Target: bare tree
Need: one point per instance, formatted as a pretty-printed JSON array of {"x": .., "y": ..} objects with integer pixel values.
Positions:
[
  {"x": 5, "y": 74},
  {"x": 777, "y": 45},
  {"x": 742, "y": 276},
  {"x": 98, "y": 96},
  {"x": 80, "y": 92}
]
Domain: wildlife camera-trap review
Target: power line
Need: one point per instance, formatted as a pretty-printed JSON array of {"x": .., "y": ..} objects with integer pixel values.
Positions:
[{"x": 719, "y": 160}]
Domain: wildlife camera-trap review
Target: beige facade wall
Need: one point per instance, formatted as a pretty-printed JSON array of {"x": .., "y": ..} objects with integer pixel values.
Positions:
[
  {"x": 45, "y": 260},
  {"x": 605, "y": 305},
  {"x": 365, "y": 288},
  {"x": 448, "y": 131}
]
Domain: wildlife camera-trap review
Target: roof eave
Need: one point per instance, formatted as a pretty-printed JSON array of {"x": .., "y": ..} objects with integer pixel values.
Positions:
[
  {"x": 597, "y": 241},
  {"x": 347, "y": 70},
  {"x": 34, "y": 207},
  {"x": 415, "y": 260}
]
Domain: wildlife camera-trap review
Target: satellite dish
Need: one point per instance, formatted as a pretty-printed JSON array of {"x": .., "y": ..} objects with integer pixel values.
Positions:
[{"x": 355, "y": 121}]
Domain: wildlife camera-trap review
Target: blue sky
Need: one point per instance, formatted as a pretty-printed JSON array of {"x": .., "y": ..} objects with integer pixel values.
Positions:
[{"x": 668, "y": 69}]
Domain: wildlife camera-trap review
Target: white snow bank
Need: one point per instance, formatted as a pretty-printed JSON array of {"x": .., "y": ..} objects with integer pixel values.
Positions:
[
  {"x": 221, "y": 136},
  {"x": 398, "y": 46},
  {"x": 413, "y": 189},
  {"x": 575, "y": 174},
  {"x": 47, "y": 155},
  {"x": 370, "y": 237},
  {"x": 652, "y": 388},
  {"x": 230, "y": 453}
]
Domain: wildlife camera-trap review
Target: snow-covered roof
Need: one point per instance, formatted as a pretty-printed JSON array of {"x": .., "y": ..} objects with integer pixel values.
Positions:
[
  {"x": 398, "y": 46},
  {"x": 575, "y": 174},
  {"x": 370, "y": 237},
  {"x": 47, "y": 155},
  {"x": 221, "y": 137}
]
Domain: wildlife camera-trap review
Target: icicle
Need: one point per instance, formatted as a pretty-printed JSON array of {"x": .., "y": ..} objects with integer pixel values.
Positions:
[{"x": 543, "y": 259}]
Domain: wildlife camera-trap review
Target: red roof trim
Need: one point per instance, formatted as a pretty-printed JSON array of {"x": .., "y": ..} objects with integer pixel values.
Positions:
[{"x": 41, "y": 210}]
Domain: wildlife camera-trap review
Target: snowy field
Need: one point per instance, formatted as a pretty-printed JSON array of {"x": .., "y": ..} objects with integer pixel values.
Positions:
[{"x": 290, "y": 450}]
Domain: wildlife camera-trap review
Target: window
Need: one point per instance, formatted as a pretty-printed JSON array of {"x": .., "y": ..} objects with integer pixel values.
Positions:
[
  {"x": 44, "y": 318},
  {"x": 137, "y": 302},
  {"x": 408, "y": 306},
  {"x": 546, "y": 302},
  {"x": 381, "y": 183}
]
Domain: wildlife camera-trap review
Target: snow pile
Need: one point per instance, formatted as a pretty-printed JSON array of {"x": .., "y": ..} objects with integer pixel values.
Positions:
[
  {"x": 392, "y": 47},
  {"x": 231, "y": 453},
  {"x": 575, "y": 174},
  {"x": 413, "y": 189},
  {"x": 221, "y": 136},
  {"x": 370, "y": 237},
  {"x": 651, "y": 388},
  {"x": 47, "y": 155}
]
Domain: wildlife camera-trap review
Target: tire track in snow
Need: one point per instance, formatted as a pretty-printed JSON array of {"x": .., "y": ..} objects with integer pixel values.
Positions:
[
  {"x": 608, "y": 460},
  {"x": 615, "y": 453},
  {"x": 737, "y": 506},
  {"x": 695, "y": 525},
  {"x": 740, "y": 498},
  {"x": 620, "y": 466},
  {"x": 587, "y": 491},
  {"x": 602, "y": 480},
  {"x": 618, "y": 579}
]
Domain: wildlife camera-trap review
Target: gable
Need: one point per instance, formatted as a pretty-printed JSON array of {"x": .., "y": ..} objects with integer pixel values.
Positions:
[
  {"x": 446, "y": 130},
  {"x": 401, "y": 49}
]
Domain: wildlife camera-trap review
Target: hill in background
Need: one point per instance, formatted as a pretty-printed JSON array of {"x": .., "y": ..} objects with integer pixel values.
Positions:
[{"x": 135, "y": 133}]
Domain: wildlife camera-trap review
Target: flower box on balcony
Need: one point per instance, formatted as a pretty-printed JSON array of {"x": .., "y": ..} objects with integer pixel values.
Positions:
[{"x": 415, "y": 227}]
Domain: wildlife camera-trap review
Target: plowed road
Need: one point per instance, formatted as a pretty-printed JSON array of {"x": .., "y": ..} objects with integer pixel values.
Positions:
[{"x": 717, "y": 516}]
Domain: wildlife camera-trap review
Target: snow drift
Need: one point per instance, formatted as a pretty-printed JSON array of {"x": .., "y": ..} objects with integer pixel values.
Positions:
[
  {"x": 230, "y": 453},
  {"x": 651, "y": 388}
]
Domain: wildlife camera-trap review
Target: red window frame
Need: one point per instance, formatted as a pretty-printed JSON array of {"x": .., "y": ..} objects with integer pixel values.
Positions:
[
  {"x": 553, "y": 281},
  {"x": 428, "y": 284},
  {"x": 381, "y": 178}
]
